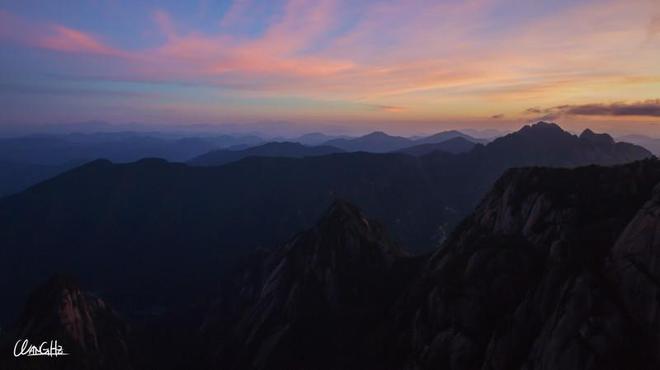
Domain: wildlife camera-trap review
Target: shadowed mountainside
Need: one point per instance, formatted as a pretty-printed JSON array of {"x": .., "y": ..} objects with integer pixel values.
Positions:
[{"x": 555, "y": 269}]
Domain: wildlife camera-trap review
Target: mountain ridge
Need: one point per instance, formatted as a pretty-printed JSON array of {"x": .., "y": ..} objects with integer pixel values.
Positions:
[{"x": 271, "y": 149}]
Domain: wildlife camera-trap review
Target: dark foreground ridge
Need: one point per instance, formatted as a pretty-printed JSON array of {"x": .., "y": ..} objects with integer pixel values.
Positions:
[{"x": 556, "y": 269}]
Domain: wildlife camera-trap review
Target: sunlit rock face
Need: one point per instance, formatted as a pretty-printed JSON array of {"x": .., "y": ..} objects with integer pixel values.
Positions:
[{"x": 91, "y": 333}]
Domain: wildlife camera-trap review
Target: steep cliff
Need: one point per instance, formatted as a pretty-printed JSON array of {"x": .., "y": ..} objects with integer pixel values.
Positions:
[{"x": 527, "y": 283}]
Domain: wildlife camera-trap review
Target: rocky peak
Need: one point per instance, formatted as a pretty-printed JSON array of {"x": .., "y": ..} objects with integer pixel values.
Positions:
[
  {"x": 59, "y": 304},
  {"x": 317, "y": 298},
  {"x": 593, "y": 137},
  {"x": 86, "y": 327},
  {"x": 542, "y": 127}
]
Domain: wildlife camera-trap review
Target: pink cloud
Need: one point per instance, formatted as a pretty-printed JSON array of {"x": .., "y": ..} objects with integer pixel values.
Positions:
[
  {"x": 66, "y": 39},
  {"x": 52, "y": 37}
]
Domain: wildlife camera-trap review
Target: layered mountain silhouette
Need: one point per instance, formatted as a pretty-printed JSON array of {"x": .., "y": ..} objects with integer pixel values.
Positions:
[
  {"x": 118, "y": 147},
  {"x": 448, "y": 135},
  {"x": 375, "y": 142},
  {"x": 15, "y": 177},
  {"x": 455, "y": 146},
  {"x": 160, "y": 221},
  {"x": 315, "y": 138},
  {"x": 28, "y": 160},
  {"x": 275, "y": 149},
  {"x": 380, "y": 142}
]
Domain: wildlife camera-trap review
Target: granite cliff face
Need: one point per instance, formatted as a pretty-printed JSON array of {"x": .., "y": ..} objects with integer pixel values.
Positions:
[
  {"x": 634, "y": 269},
  {"x": 89, "y": 331},
  {"x": 536, "y": 278},
  {"x": 554, "y": 270}
]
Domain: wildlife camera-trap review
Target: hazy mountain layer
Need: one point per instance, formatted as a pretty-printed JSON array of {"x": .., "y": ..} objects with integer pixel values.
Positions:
[{"x": 275, "y": 149}]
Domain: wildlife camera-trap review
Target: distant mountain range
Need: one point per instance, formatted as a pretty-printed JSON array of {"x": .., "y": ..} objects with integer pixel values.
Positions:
[
  {"x": 25, "y": 161},
  {"x": 455, "y": 146},
  {"x": 117, "y": 147},
  {"x": 450, "y": 142},
  {"x": 650, "y": 143},
  {"x": 553, "y": 270},
  {"x": 275, "y": 149},
  {"x": 380, "y": 142},
  {"x": 172, "y": 218}
]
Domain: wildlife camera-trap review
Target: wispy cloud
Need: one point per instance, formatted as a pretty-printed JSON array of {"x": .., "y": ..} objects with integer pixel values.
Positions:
[{"x": 647, "y": 108}]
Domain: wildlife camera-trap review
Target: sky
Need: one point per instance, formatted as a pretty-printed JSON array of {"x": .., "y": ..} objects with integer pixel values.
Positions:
[{"x": 338, "y": 66}]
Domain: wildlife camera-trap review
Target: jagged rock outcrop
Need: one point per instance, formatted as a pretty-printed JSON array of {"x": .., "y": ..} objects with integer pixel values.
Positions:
[
  {"x": 317, "y": 302},
  {"x": 635, "y": 274},
  {"x": 89, "y": 331},
  {"x": 525, "y": 282},
  {"x": 556, "y": 269}
]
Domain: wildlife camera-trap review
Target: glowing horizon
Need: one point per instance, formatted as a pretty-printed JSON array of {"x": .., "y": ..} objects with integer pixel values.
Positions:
[{"x": 400, "y": 66}]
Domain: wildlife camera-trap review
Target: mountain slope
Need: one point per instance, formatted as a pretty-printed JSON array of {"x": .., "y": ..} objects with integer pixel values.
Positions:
[
  {"x": 375, "y": 142},
  {"x": 650, "y": 143},
  {"x": 448, "y": 135},
  {"x": 15, "y": 177},
  {"x": 275, "y": 149}
]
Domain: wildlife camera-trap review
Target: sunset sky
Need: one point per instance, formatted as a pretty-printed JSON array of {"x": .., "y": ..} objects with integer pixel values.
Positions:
[{"x": 402, "y": 66}]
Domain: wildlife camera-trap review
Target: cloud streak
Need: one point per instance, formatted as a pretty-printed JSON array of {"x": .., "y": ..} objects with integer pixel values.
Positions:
[{"x": 647, "y": 108}]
